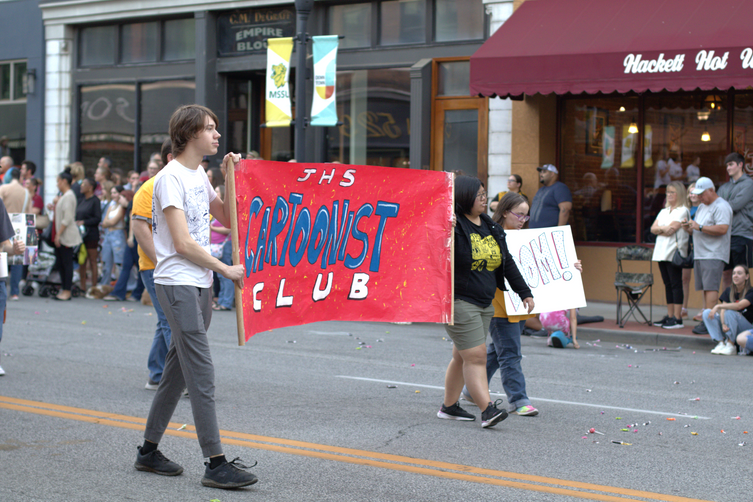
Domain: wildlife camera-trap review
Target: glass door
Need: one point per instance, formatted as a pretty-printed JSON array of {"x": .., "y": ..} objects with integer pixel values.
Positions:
[{"x": 459, "y": 136}]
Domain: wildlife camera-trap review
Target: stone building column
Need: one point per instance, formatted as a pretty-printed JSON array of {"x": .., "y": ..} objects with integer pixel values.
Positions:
[
  {"x": 58, "y": 104},
  {"x": 500, "y": 112}
]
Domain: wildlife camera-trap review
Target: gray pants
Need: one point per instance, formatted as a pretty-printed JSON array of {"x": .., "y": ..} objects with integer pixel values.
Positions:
[{"x": 188, "y": 364}]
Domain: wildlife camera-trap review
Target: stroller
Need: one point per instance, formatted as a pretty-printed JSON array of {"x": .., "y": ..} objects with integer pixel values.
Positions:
[{"x": 45, "y": 279}]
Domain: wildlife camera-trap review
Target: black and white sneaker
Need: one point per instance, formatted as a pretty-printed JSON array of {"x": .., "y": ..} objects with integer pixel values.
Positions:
[
  {"x": 454, "y": 412},
  {"x": 701, "y": 329},
  {"x": 673, "y": 323},
  {"x": 660, "y": 324},
  {"x": 492, "y": 416},
  {"x": 157, "y": 463},
  {"x": 228, "y": 475}
]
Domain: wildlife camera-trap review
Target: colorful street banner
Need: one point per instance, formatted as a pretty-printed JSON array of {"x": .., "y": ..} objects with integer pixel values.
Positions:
[
  {"x": 628, "y": 148},
  {"x": 324, "y": 242},
  {"x": 278, "y": 111},
  {"x": 546, "y": 258},
  {"x": 323, "y": 106}
]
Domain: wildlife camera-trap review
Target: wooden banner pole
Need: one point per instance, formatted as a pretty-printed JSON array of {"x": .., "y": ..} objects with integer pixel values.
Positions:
[
  {"x": 230, "y": 193},
  {"x": 452, "y": 257}
]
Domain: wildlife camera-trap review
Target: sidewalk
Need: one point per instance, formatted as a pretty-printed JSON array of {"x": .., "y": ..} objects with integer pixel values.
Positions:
[{"x": 640, "y": 333}]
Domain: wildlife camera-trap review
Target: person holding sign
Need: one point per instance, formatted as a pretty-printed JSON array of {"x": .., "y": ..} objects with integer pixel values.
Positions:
[
  {"x": 182, "y": 202},
  {"x": 11, "y": 247},
  {"x": 482, "y": 263}
]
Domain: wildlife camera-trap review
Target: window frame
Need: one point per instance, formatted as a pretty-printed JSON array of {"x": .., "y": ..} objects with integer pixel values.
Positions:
[
  {"x": 12, "y": 91},
  {"x": 728, "y": 95},
  {"x": 116, "y": 44},
  {"x": 429, "y": 27}
]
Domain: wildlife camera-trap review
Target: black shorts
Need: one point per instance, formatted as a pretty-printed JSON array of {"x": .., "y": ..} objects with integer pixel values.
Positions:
[{"x": 740, "y": 252}]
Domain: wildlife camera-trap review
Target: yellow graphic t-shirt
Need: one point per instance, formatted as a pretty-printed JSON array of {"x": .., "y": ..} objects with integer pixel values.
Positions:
[{"x": 485, "y": 253}]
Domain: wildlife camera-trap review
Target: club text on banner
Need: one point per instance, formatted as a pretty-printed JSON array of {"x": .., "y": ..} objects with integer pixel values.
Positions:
[
  {"x": 325, "y": 242},
  {"x": 278, "y": 110},
  {"x": 545, "y": 258}
]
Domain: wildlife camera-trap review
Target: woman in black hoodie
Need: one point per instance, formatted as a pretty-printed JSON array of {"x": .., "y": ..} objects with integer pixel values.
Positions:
[
  {"x": 482, "y": 263},
  {"x": 88, "y": 215}
]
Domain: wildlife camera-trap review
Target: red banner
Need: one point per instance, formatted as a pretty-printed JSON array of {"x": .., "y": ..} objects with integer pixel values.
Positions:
[{"x": 324, "y": 242}]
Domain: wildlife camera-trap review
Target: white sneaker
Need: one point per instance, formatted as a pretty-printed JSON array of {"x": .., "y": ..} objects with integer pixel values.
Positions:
[
  {"x": 719, "y": 346},
  {"x": 2, "y": 371},
  {"x": 728, "y": 350}
]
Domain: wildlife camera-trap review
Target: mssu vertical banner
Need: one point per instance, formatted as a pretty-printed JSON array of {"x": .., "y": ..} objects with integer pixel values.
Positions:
[
  {"x": 278, "y": 112},
  {"x": 323, "y": 108}
]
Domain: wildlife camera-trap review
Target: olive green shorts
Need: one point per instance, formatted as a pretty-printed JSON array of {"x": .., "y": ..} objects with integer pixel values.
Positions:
[{"x": 471, "y": 325}]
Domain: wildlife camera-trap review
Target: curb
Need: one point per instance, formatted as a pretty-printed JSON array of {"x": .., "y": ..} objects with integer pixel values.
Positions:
[{"x": 638, "y": 337}]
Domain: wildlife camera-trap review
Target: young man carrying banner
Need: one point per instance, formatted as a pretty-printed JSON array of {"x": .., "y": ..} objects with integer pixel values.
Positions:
[{"x": 182, "y": 202}]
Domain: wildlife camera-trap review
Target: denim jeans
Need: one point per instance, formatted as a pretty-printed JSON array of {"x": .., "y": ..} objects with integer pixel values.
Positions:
[
  {"x": 16, "y": 272},
  {"x": 112, "y": 252},
  {"x": 130, "y": 258},
  {"x": 736, "y": 322},
  {"x": 161, "y": 341},
  {"x": 504, "y": 354},
  {"x": 3, "y": 302},
  {"x": 227, "y": 287}
]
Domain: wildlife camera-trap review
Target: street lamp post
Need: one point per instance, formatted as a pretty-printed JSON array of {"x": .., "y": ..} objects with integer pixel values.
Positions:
[{"x": 303, "y": 9}]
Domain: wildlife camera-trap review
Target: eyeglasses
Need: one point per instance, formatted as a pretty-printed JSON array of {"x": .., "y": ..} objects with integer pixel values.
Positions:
[
  {"x": 521, "y": 217},
  {"x": 481, "y": 196}
]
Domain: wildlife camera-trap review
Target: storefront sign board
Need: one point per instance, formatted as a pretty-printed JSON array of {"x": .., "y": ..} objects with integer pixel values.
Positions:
[
  {"x": 546, "y": 258},
  {"x": 246, "y": 31},
  {"x": 324, "y": 242}
]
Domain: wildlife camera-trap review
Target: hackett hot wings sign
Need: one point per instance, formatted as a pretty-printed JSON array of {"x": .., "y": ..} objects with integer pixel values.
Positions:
[{"x": 341, "y": 242}]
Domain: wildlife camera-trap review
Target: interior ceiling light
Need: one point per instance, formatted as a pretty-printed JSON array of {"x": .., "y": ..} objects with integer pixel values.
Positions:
[
  {"x": 622, "y": 109},
  {"x": 633, "y": 128},
  {"x": 705, "y": 136},
  {"x": 703, "y": 115}
]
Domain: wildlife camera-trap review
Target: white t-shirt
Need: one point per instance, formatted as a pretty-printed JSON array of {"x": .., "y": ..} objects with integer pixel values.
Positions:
[
  {"x": 713, "y": 247},
  {"x": 189, "y": 190},
  {"x": 665, "y": 246}
]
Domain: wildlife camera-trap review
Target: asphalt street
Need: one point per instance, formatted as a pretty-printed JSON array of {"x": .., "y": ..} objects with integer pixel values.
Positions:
[{"x": 315, "y": 407}]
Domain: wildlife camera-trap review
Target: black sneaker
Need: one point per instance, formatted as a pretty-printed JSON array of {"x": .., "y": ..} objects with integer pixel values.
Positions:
[
  {"x": 454, "y": 412},
  {"x": 157, "y": 463},
  {"x": 492, "y": 416},
  {"x": 228, "y": 475},
  {"x": 660, "y": 324},
  {"x": 674, "y": 323},
  {"x": 701, "y": 329}
]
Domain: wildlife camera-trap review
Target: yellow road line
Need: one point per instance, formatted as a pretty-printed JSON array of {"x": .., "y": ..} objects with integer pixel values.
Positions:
[{"x": 359, "y": 457}]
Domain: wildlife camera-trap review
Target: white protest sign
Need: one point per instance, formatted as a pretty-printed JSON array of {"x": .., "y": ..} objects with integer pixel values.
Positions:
[{"x": 545, "y": 258}]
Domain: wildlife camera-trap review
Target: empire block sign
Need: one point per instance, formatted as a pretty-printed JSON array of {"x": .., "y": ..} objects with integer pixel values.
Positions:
[{"x": 340, "y": 242}]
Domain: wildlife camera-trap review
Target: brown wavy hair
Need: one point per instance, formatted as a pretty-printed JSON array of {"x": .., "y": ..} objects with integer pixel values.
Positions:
[{"x": 186, "y": 123}]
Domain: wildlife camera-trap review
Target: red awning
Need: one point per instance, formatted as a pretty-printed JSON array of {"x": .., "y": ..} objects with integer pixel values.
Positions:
[{"x": 575, "y": 46}]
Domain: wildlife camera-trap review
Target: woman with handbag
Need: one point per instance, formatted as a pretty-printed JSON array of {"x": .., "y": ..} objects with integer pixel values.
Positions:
[
  {"x": 66, "y": 235},
  {"x": 672, "y": 240}
]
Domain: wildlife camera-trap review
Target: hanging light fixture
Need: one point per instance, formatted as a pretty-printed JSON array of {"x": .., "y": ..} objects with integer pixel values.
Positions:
[
  {"x": 633, "y": 128},
  {"x": 705, "y": 136},
  {"x": 622, "y": 109}
]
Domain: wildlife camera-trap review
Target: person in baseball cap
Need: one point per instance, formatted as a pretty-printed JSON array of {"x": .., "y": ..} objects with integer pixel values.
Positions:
[
  {"x": 701, "y": 185},
  {"x": 548, "y": 167}
]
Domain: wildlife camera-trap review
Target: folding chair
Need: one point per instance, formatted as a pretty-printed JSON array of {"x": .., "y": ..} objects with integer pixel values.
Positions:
[{"x": 634, "y": 285}]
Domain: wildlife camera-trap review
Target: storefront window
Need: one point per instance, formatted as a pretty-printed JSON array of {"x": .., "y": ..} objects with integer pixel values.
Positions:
[
  {"x": 5, "y": 81},
  {"x": 179, "y": 39},
  {"x": 138, "y": 42},
  {"x": 742, "y": 133},
  {"x": 605, "y": 144},
  {"x": 459, "y": 20},
  {"x": 19, "y": 79},
  {"x": 403, "y": 22},
  {"x": 108, "y": 122},
  {"x": 96, "y": 45},
  {"x": 353, "y": 21},
  {"x": 158, "y": 102},
  {"x": 598, "y": 164},
  {"x": 686, "y": 136},
  {"x": 374, "y": 106}
]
